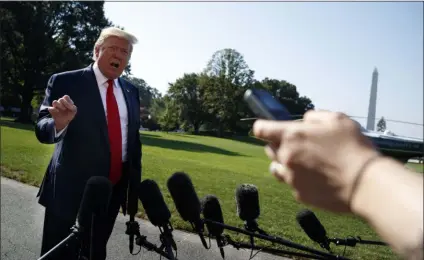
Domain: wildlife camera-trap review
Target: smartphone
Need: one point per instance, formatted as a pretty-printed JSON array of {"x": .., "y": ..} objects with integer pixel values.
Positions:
[{"x": 265, "y": 106}]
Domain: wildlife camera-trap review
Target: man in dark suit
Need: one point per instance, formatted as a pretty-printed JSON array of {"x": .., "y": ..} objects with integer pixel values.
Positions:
[{"x": 92, "y": 115}]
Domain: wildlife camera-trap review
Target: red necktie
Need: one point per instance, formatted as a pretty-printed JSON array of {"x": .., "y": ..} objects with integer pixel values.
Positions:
[{"x": 115, "y": 138}]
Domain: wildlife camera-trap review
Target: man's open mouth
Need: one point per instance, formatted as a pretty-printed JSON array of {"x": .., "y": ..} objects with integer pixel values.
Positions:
[{"x": 114, "y": 64}]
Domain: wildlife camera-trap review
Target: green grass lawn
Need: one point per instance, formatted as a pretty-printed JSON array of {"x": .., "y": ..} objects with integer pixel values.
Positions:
[{"x": 216, "y": 166}]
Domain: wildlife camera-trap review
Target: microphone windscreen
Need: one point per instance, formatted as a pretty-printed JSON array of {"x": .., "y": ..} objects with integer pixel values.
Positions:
[
  {"x": 247, "y": 199},
  {"x": 95, "y": 199},
  {"x": 153, "y": 203},
  {"x": 212, "y": 210},
  {"x": 185, "y": 198},
  {"x": 311, "y": 225}
]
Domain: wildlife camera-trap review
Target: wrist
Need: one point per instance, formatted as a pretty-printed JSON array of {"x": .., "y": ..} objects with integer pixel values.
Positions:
[
  {"x": 364, "y": 186},
  {"x": 59, "y": 126}
]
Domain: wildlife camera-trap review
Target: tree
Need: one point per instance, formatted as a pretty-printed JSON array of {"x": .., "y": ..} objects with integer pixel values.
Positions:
[
  {"x": 41, "y": 38},
  {"x": 146, "y": 93},
  {"x": 188, "y": 94},
  {"x": 381, "y": 125},
  {"x": 169, "y": 119},
  {"x": 288, "y": 95},
  {"x": 224, "y": 81},
  {"x": 151, "y": 116},
  {"x": 230, "y": 64}
]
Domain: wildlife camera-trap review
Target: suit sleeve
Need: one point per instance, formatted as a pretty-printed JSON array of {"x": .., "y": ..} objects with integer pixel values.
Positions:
[{"x": 45, "y": 130}]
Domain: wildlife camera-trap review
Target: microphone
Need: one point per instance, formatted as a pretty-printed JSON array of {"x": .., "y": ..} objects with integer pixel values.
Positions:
[
  {"x": 186, "y": 201},
  {"x": 313, "y": 228},
  {"x": 95, "y": 202},
  {"x": 158, "y": 213},
  {"x": 189, "y": 208},
  {"x": 211, "y": 209},
  {"x": 317, "y": 233},
  {"x": 247, "y": 200}
]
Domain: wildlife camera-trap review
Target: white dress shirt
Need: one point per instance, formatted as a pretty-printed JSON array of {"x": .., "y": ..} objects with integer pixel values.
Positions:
[{"x": 122, "y": 106}]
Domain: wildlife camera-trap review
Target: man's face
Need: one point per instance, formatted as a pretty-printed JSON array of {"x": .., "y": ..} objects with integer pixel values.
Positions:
[{"x": 113, "y": 56}]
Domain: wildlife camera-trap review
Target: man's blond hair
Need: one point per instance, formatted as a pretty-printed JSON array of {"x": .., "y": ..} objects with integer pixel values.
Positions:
[{"x": 114, "y": 32}]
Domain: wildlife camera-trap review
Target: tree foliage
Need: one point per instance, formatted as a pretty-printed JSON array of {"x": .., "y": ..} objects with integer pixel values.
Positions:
[
  {"x": 189, "y": 95},
  {"x": 381, "y": 125},
  {"x": 42, "y": 38}
]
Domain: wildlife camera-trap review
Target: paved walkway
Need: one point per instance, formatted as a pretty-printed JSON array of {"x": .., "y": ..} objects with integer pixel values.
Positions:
[{"x": 22, "y": 222}]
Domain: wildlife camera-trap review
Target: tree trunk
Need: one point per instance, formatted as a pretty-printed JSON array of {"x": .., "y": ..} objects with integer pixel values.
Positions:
[
  {"x": 220, "y": 129},
  {"x": 196, "y": 127},
  {"x": 25, "y": 116}
]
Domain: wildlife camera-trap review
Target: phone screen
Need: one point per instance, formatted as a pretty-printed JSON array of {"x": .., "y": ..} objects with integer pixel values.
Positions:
[{"x": 272, "y": 105}]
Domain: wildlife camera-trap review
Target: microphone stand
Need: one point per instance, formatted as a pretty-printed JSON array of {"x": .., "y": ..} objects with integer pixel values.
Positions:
[
  {"x": 131, "y": 226},
  {"x": 92, "y": 239},
  {"x": 74, "y": 237},
  {"x": 352, "y": 241},
  {"x": 134, "y": 228},
  {"x": 277, "y": 240},
  {"x": 252, "y": 226},
  {"x": 167, "y": 241},
  {"x": 238, "y": 245}
]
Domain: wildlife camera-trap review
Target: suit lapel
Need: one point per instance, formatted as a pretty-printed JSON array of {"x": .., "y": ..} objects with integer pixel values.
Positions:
[{"x": 97, "y": 108}]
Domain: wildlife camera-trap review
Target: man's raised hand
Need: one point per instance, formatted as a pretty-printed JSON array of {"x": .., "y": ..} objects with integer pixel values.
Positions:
[{"x": 62, "y": 111}]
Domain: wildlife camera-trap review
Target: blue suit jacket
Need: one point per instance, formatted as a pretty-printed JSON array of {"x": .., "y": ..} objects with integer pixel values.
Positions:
[{"x": 83, "y": 151}]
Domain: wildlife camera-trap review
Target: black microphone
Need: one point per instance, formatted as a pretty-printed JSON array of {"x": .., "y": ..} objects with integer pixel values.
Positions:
[
  {"x": 186, "y": 201},
  {"x": 211, "y": 209},
  {"x": 313, "y": 228},
  {"x": 247, "y": 200},
  {"x": 158, "y": 213},
  {"x": 95, "y": 202},
  {"x": 316, "y": 232}
]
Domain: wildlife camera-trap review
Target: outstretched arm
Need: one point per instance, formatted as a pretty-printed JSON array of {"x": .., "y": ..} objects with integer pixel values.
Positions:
[{"x": 390, "y": 198}]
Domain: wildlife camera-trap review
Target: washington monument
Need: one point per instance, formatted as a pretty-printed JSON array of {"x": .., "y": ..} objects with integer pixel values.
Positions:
[{"x": 373, "y": 101}]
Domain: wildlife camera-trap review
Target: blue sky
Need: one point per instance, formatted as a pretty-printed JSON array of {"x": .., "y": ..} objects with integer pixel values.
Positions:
[{"x": 328, "y": 50}]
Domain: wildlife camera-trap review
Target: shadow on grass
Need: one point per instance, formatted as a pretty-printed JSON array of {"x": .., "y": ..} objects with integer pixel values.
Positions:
[
  {"x": 144, "y": 133},
  {"x": 248, "y": 140},
  {"x": 157, "y": 141},
  {"x": 12, "y": 124},
  {"x": 182, "y": 135}
]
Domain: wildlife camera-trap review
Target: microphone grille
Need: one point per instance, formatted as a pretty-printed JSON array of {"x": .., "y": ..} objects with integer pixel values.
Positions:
[
  {"x": 153, "y": 202},
  {"x": 211, "y": 209},
  {"x": 95, "y": 199},
  {"x": 184, "y": 196},
  {"x": 247, "y": 200},
  {"x": 311, "y": 225}
]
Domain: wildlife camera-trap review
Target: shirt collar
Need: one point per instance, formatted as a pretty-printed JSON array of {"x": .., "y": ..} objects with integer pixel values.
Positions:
[{"x": 101, "y": 79}]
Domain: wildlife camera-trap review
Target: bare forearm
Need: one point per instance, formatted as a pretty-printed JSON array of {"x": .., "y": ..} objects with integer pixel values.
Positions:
[{"x": 390, "y": 198}]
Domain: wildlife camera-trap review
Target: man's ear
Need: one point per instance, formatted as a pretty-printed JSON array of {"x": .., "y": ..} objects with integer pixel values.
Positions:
[{"x": 96, "y": 51}]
